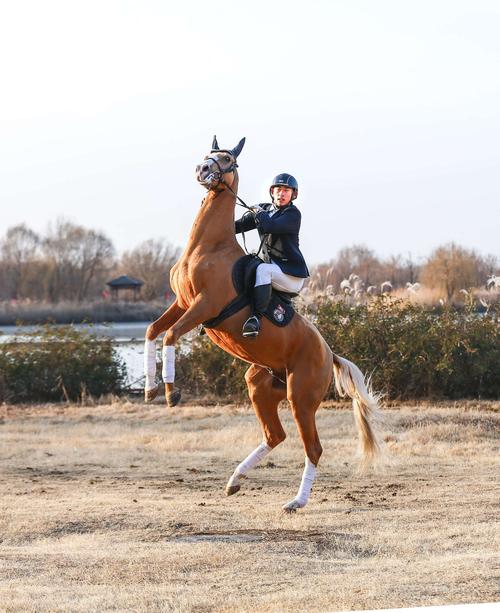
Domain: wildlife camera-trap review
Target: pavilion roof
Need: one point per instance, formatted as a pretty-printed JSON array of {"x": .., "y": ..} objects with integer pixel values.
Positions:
[{"x": 125, "y": 282}]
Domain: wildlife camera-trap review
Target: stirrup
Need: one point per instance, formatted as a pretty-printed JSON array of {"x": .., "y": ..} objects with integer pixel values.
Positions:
[{"x": 251, "y": 327}]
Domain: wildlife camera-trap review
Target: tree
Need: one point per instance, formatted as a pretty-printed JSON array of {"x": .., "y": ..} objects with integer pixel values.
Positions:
[
  {"x": 357, "y": 259},
  {"x": 18, "y": 251},
  {"x": 151, "y": 262},
  {"x": 451, "y": 268},
  {"x": 79, "y": 259}
]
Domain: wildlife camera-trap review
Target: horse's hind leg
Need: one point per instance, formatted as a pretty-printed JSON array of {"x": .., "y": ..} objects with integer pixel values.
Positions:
[
  {"x": 305, "y": 394},
  {"x": 266, "y": 393},
  {"x": 171, "y": 315}
]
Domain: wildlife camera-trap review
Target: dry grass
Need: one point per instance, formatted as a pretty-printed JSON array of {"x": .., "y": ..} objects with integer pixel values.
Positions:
[{"x": 122, "y": 507}]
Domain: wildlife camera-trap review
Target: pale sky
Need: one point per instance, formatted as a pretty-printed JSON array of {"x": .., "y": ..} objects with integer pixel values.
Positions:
[{"x": 386, "y": 111}]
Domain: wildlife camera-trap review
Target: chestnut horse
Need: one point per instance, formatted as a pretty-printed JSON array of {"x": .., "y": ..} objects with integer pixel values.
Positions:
[{"x": 293, "y": 362}]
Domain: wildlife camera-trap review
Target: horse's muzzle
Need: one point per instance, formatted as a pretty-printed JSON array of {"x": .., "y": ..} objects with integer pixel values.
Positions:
[{"x": 206, "y": 176}]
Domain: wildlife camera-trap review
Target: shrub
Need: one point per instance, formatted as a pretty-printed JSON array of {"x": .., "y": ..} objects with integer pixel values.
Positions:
[
  {"x": 58, "y": 363},
  {"x": 204, "y": 369},
  {"x": 410, "y": 351},
  {"x": 415, "y": 352}
]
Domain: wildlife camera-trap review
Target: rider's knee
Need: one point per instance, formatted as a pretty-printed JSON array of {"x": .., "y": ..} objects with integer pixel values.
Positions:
[{"x": 263, "y": 274}]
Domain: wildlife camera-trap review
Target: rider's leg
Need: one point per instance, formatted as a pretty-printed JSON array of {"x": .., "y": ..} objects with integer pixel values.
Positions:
[
  {"x": 261, "y": 294},
  {"x": 267, "y": 277}
]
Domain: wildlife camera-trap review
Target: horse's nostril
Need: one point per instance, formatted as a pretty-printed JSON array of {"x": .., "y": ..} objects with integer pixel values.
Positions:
[{"x": 205, "y": 167}]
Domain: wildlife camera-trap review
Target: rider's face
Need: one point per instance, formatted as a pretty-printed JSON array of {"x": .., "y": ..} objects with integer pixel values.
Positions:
[{"x": 282, "y": 195}]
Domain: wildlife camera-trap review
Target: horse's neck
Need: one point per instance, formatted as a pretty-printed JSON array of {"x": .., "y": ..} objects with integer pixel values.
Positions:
[{"x": 213, "y": 227}]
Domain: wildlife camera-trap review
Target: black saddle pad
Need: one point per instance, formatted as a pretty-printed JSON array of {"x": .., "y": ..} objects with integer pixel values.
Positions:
[{"x": 280, "y": 310}]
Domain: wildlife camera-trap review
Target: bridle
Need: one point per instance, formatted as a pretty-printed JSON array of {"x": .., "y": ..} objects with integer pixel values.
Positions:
[
  {"x": 220, "y": 172},
  {"x": 218, "y": 175}
]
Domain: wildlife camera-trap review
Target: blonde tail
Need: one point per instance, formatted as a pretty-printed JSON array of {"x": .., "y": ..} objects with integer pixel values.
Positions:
[{"x": 349, "y": 381}]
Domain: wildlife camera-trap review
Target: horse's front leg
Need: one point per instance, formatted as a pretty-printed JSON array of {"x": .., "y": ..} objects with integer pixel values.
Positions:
[
  {"x": 171, "y": 315},
  {"x": 197, "y": 313}
]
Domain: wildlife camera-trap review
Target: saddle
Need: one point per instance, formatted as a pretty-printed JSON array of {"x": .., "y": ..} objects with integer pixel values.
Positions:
[{"x": 280, "y": 310}]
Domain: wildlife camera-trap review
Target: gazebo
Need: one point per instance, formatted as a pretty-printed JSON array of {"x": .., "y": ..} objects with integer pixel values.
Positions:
[{"x": 125, "y": 283}]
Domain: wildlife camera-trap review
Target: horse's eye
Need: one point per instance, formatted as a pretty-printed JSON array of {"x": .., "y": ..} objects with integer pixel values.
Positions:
[{"x": 227, "y": 158}]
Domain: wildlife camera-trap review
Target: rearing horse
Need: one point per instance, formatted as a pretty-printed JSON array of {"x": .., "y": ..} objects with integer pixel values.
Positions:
[{"x": 293, "y": 362}]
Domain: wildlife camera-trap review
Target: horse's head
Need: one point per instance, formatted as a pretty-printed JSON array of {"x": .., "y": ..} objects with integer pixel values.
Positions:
[{"x": 219, "y": 166}]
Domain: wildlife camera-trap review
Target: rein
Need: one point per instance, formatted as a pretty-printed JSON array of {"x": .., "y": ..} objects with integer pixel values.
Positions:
[
  {"x": 219, "y": 176},
  {"x": 245, "y": 206}
]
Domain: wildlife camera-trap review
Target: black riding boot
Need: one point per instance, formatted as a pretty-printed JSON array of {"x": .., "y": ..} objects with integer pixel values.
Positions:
[{"x": 261, "y": 296}]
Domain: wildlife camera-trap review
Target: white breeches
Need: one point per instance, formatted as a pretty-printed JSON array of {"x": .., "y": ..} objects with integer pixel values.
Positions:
[{"x": 272, "y": 273}]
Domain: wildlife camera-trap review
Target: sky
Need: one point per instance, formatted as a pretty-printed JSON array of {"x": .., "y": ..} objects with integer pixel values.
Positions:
[{"x": 387, "y": 112}]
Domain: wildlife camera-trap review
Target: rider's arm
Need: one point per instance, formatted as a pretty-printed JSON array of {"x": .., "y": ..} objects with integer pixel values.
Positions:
[
  {"x": 245, "y": 223},
  {"x": 287, "y": 223}
]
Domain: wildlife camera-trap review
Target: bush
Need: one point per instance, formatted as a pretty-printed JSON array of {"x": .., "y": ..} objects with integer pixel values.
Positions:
[
  {"x": 413, "y": 352},
  {"x": 203, "y": 369},
  {"x": 58, "y": 364},
  {"x": 410, "y": 351}
]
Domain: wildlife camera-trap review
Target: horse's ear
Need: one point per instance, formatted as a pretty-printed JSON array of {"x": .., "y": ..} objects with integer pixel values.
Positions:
[
  {"x": 237, "y": 150},
  {"x": 215, "y": 144}
]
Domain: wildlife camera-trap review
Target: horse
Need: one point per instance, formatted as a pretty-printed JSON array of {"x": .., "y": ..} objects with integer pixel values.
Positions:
[{"x": 292, "y": 362}]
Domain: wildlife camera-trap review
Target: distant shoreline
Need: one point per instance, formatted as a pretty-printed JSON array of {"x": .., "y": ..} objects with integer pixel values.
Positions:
[{"x": 75, "y": 313}]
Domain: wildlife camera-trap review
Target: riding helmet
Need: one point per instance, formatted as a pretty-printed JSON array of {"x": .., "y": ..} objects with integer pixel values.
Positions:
[{"x": 285, "y": 179}]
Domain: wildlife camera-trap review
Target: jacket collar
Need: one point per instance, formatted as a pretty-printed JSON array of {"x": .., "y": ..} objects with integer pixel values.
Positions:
[{"x": 277, "y": 210}]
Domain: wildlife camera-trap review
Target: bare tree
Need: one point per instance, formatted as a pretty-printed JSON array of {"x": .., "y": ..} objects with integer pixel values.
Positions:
[
  {"x": 451, "y": 268},
  {"x": 18, "y": 251},
  {"x": 360, "y": 260},
  {"x": 490, "y": 266},
  {"x": 151, "y": 262},
  {"x": 78, "y": 258}
]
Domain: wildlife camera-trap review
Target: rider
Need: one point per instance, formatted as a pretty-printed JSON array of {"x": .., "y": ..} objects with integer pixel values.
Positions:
[{"x": 284, "y": 267}]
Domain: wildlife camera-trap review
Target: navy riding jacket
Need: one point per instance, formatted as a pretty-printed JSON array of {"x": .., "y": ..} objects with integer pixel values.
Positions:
[{"x": 280, "y": 234}]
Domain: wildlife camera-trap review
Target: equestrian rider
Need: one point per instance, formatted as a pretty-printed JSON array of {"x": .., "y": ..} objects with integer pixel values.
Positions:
[{"x": 284, "y": 267}]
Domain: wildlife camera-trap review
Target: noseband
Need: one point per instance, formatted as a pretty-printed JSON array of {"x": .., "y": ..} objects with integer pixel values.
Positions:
[{"x": 219, "y": 173}]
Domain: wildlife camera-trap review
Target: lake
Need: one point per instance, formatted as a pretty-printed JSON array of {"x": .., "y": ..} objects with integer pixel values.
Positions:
[{"x": 127, "y": 336}]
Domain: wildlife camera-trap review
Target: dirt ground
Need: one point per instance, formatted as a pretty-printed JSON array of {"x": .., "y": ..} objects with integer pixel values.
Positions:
[{"x": 122, "y": 507}]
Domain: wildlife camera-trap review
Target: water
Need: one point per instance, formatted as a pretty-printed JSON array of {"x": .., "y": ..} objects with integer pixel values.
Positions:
[{"x": 128, "y": 338}]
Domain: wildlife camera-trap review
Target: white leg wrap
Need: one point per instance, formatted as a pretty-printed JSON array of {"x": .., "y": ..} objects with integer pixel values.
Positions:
[
  {"x": 150, "y": 363},
  {"x": 306, "y": 484},
  {"x": 248, "y": 463},
  {"x": 168, "y": 368}
]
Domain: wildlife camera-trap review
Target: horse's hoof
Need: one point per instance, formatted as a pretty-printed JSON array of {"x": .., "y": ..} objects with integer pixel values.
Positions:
[
  {"x": 150, "y": 395},
  {"x": 232, "y": 489},
  {"x": 290, "y": 507},
  {"x": 173, "y": 398}
]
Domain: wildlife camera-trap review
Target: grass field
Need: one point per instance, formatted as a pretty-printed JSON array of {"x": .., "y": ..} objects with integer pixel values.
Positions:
[{"x": 122, "y": 507}]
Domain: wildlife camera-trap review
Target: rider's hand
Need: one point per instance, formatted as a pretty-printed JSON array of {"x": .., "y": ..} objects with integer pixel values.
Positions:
[{"x": 256, "y": 208}]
